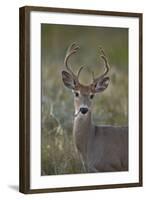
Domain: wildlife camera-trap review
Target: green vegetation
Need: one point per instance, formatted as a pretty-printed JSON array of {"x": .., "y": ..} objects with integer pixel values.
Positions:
[{"x": 58, "y": 155}]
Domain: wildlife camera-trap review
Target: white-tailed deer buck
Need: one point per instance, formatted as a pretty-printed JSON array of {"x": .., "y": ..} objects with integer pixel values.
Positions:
[{"x": 102, "y": 148}]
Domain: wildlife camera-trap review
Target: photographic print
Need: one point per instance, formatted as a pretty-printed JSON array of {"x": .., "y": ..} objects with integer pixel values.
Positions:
[
  {"x": 71, "y": 143},
  {"x": 80, "y": 99}
]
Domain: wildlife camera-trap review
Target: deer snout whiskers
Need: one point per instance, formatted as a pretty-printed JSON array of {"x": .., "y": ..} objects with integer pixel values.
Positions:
[{"x": 83, "y": 110}]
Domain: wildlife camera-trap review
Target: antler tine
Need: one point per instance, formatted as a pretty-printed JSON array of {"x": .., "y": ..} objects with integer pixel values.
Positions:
[
  {"x": 106, "y": 65},
  {"x": 103, "y": 56},
  {"x": 81, "y": 68},
  {"x": 92, "y": 75},
  {"x": 71, "y": 50}
]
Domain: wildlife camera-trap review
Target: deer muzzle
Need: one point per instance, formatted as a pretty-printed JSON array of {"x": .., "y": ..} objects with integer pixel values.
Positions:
[{"x": 83, "y": 110}]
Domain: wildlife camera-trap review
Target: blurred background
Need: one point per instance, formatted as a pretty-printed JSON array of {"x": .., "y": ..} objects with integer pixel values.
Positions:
[{"x": 58, "y": 155}]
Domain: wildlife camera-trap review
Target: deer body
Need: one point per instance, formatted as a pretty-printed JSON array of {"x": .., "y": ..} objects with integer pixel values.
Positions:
[{"x": 102, "y": 148}]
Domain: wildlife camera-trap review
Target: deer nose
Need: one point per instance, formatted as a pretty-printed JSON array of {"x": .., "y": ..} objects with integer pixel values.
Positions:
[{"x": 84, "y": 110}]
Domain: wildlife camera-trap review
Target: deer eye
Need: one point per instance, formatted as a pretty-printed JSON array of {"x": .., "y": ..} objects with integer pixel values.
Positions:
[
  {"x": 91, "y": 96},
  {"x": 76, "y": 94}
]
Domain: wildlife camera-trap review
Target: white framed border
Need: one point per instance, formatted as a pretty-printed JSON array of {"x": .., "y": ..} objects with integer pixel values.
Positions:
[{"x": 132, "y": 176}]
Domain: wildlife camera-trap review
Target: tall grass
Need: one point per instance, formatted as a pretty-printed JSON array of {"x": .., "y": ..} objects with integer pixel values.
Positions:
[{"x": 58, "y": 155}]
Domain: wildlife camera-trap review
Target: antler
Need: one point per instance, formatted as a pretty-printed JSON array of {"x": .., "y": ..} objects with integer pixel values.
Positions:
[
  {"x": 73, "y": 48},
  {"x": 106, "y": 66}
]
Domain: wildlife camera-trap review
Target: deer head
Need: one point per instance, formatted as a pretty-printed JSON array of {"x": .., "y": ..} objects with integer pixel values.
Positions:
[{"x": 83, "y": 94}]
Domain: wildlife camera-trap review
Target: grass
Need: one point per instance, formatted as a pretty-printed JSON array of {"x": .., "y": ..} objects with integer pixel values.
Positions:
[{"x": 58, "y": 155}]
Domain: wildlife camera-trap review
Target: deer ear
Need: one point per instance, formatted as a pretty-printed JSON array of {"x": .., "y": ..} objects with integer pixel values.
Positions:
[
  {"x": 68, "y": 80},
  {"x": 102, "y": 84}
]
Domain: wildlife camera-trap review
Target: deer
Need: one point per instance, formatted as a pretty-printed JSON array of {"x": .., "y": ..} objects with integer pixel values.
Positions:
[{"x": 101, "y": 148}]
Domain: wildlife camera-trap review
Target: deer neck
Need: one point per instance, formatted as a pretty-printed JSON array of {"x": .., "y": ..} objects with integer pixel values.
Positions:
[{"x": 81, "y": 131}]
